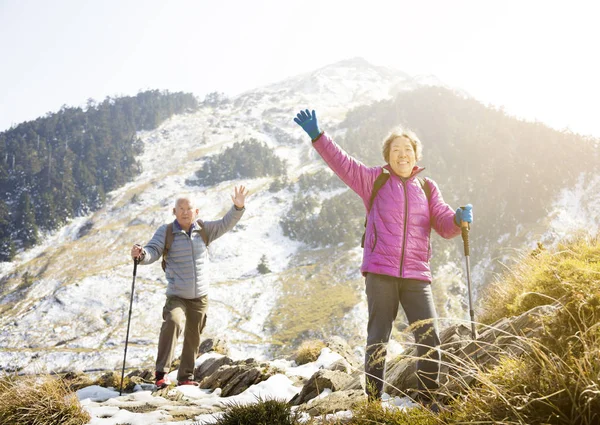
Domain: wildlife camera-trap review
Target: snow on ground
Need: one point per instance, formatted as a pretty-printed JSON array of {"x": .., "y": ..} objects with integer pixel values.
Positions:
[
  {"x": 576, "y": 211},
  {"x": 106, "y": 407}
]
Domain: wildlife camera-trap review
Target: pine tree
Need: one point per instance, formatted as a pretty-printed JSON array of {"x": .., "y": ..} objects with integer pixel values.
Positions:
[
  {"x": 263, "y": 267},
  {"x": 7, "y": 246},
  {"x": 26, "y": 226}
]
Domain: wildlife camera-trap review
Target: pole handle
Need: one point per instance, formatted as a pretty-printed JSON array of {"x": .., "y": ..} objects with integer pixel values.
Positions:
[{"x": 465, "y": 227}]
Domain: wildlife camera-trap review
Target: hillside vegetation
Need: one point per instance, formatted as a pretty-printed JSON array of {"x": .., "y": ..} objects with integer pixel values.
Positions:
[{"x": 62, "y": 165}]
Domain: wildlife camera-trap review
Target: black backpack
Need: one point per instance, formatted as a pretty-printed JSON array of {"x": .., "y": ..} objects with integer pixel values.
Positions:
[{"x": 379, "y": 182}]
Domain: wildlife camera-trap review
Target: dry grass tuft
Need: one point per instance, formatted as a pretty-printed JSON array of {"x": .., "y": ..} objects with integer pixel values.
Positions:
[
  {"x": 39, "y": 400},
  {"x": 309, "y": 351}
]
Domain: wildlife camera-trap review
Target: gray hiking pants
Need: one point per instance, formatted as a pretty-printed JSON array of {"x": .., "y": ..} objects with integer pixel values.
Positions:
[
  {"x": 384, "y": 295},
  {"x": 175, "y": 312}
]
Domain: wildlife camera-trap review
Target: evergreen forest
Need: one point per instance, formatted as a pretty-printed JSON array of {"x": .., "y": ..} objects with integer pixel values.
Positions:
[{"x": 62, "y": 165}]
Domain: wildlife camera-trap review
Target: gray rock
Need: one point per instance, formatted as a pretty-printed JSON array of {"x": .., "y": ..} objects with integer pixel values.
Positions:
[
  {"x": 320, "y": 380},
  {"x": 210, "y": 366},
  {"x": 339, "y": 345},
  {"x": 214, "y": 344},
  {"x": 341, "y": 365},
  {"x": 235, "y": 378},
  {"x": 334, "y": 402}
]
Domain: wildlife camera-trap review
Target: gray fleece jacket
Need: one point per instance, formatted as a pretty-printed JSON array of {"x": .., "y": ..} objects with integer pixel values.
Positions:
[{"x": 188, "y": 257}]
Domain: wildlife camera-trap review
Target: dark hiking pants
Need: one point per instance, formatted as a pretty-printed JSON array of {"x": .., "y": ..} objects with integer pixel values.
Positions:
[
  {"x": 384, "y": 295},
  {"x": 176, "y": 312}
]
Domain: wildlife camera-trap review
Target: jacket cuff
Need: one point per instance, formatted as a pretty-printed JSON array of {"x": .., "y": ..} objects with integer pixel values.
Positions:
[{"x": 318, "y": 137}]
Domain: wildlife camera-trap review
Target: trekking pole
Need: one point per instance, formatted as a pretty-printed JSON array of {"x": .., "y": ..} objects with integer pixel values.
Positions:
[
  {"x": 135, "y": 263},
  {"x": 465, "y": 237}
]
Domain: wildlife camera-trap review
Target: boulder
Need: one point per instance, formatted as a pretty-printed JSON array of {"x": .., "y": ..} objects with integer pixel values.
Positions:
[
  {"x": 320, "y": 380},
  {"x": 236, "y": 377},
  {"x": 341, "y": 365},
  {"x": 218, "y": 345},
  {"x": 339, "y": 345},
  {"x": 210, "y": 366},
  {"x": 334, "y": 402}
]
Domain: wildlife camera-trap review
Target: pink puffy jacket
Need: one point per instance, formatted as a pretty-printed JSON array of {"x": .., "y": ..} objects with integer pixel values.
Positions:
[{"x": 397, "y": 241}]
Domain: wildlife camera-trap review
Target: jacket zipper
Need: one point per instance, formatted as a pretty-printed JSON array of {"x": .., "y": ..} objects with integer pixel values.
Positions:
[
  {"x": 405, "y": 226},
  {"x": 193, "y": 263}
]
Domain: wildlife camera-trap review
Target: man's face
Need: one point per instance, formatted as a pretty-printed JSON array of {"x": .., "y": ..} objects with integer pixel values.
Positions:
[{"x": 185, "y": 213}]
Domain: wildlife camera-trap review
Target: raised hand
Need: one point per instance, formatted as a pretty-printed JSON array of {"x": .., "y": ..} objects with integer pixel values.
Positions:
[
  {"x": 308, "y": 122},
  {"x": 239, "y": 198}
]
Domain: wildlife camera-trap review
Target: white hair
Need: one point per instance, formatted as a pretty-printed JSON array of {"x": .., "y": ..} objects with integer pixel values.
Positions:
[{"x": 185, "y": 198}]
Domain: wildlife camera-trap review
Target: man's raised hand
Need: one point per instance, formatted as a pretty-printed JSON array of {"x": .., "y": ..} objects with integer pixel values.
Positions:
[{"x": 239, "y": 198}]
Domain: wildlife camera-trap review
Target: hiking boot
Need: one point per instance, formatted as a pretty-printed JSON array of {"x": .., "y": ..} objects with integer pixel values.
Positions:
[
  {"x": 426, "y": 401},
  {"x": 187, "y": 382},
  {"x": 434, "y": 406},
  {"x": 162, "y": 380}
]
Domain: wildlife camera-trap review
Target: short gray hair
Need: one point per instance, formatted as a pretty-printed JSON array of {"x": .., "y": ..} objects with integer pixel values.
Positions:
[
  {"x": 400, "y": 132},
  {"x": 184, "y": 198}
]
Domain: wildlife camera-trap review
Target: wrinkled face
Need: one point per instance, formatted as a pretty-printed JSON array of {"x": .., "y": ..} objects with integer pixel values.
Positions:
[
  {"x": 185, "y": 213},
  {"x": 402, "y": 156}
]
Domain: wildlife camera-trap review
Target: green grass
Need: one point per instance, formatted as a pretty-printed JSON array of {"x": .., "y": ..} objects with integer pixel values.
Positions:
[
  {"x": 314, "y": 300},
  {"x": 264, "y": 412}
]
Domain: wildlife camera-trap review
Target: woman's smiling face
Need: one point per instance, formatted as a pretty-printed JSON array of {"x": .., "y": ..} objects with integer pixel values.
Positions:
[{"x": 402, "y": 156}]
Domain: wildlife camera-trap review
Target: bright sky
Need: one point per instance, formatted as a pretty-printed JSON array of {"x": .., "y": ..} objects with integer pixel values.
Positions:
[{"x": 538, "y": 59}]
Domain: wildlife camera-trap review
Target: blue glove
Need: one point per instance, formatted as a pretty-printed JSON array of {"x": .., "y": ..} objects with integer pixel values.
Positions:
[
  {"x": 308, "y": 123},
  {"x": 464, "y": 214}
]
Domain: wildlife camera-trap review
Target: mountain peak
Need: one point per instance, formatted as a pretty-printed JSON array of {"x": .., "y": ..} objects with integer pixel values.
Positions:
[
  {"x": 362, "y": 65},
  {"x": 356, "y": 61},
  {"x": 349, "y": 82}
]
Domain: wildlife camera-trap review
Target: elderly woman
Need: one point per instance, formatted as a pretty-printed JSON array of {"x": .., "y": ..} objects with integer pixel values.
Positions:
[{"x": 397, "y": 246}]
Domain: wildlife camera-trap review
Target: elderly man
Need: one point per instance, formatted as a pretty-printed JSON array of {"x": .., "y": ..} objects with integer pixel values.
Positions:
[{"x": 183, "y": 245}]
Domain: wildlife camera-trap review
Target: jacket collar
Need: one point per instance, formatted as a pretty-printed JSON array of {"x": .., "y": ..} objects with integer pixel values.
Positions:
[
  {"x": 177, "y": 227},
  {"x": 416, "y": 170}
]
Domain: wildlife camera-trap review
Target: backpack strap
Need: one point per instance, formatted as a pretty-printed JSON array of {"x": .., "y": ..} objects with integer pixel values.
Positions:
[
  {"x": 426, "y": 187},
  {"x": 379, "y": 182},
  {"x": 169, "y": 241},
  {"x": 203, "y": 232}
]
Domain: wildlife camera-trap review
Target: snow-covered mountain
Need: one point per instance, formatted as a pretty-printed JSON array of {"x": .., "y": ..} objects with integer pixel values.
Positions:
[{"x": 69, "y": 296}]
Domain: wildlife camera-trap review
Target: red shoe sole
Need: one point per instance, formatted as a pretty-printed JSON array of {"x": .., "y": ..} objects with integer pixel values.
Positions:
[{"x": 162, "y": 384}]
